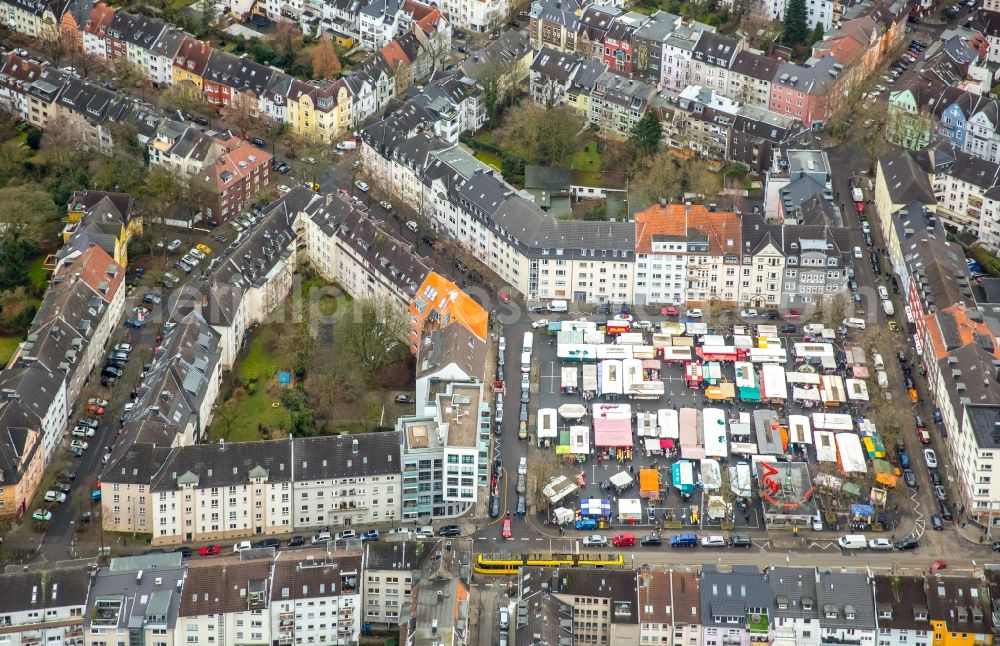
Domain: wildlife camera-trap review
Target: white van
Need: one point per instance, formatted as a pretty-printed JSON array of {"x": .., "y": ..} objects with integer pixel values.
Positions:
[
  {"x": 853, "y": 542},
  {"x": 499, "y": 409},
  {"x": 525, "y": 362},
  {"x": 558, "y": 306},
  {"x": 888, "y": 308},
  {"x": 857, "y": 324},
  {"x": 883, "y": 293},
  {"x": 813, "y": 328},
  {"x": 425, "y": 532},
  {"x": 879, "y": 363},
  {"x": 882, "y": 379}
]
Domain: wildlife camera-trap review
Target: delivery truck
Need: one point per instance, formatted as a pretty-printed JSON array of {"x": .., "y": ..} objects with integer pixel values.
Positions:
[{"x": 857, "y": 194}]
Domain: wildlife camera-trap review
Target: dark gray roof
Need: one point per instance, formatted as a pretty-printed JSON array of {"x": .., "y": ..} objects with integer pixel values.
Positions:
[
  {"x": 716, "y": 49},
  {"x": 659, "y": 26},
  {"x": 985, "y": 423},
  {"x": 730, "y": 594},
  {"x": 792, "y": 587},
  {"x": 143, "y": 31},
  {"x": 17, "y": 447},
  {"x": 621, "y": 587},
  {"x": 41, "y": 590},
  {"x": 553, "y": 64},
  {"x": 33, "y": 385},
  {"x": 560, "y": 12},
  {"x": 346, "y": 456},
  {"x": 755, "y": 66},
  {"x": 402, "y": 556},
  {"x": 845, "y": 593},
  {"x": 905, "y": 179}
]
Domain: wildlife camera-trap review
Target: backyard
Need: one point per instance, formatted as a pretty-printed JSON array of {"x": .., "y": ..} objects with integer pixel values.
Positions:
[{"x": 317, "y": 394}]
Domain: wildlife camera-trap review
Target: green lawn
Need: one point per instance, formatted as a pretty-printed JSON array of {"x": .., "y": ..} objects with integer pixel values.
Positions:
[
  {"x": 257, "y": 408},
  {"x": 8, "y": 345},
  {"x": 490, "y": 160},
  {"x": 588, "y": 158},
  {"x": 36, "y": 274}
]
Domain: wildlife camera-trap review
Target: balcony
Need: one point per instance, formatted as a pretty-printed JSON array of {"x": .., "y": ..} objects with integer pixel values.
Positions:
[{"x": 839, "y": 641}]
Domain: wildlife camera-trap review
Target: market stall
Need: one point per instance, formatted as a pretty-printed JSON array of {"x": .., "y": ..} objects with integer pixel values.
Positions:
[
  {"x": 826, "y": 446},
  {"x": 682, "y": 477},
  {"x": 747, "y": 383},
  {"x": 589, "y": 381},
  {"x": 851, "y": 453},
  {"x": 649, "y": 483},
  {"x": 667, "y": 420},
  {"x": 711, "y": 475},
  {"x": 570, "y": 380},
  {"x": 773, "y": 377},
  {"x": 691, "y": 447},
  {"x": 547, "y": 429},
  {"x": 714, "y": 432},
  {"x": 629, "y": 511},
  {"x": 799, "y": 429},
  {"x": 676, "y": 354},
  {"x": 857, "y": 390}
]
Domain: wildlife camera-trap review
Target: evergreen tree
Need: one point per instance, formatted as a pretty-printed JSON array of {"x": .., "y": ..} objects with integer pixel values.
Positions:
[
  {"x": 796, "y": 29},
  {"x": 817, "y": 34},
  {"x": 646, "y": 133}
]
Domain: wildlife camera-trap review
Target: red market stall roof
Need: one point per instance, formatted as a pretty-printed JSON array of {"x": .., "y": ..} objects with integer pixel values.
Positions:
[{"x": 612, "y": 432}]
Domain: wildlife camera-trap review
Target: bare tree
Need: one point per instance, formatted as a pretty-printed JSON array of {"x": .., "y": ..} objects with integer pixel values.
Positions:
[
  {"x": 62, "y": 140},
  {"x": 325, "y": 62},
  {"x": 371, "y": 333},
  {"x": 495, "y": 79}
]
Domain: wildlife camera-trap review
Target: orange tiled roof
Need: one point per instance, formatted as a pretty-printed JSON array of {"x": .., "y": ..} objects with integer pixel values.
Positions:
[
  {"x": 99, "y": 18},
  {"x": 429, "y": 21},
  {"x": 967, "y": 329},
  {"x": 240, "y": 161},
  {"x": 394, "y": 55},
  {"x": 93, "y": 265},
  {"x": 723, "y": 228},
  {"x": 438, "y": 294}
]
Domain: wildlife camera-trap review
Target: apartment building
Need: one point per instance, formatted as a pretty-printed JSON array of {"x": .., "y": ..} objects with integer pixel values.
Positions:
[
  {"x": 226, "y": 603},
  {"x": 437, "y": 303},
  {"x": 44, "y": 606},
  {"x": 555, "y": 23},
  {"x": 440, "y": 607},
  {"x": 796, "y": 612},
  {"x": 233, "y": 179},
  {"x": 205, "y": 492},
  {"x": 648, "y": 44},
  {"x": 444, "y": 451},
  {"x": 316, "y": 598},
  {"x": 135, "y": 598},
  {"x": 390, "y": 575},
  {"x": 479, "y": 16},
  {"x": 183, "y": 149},
  {"x": 737, "y": 606},
  {"x": 959, "y": 611},
  {"x": 711, "y": 59},
  {"x": 669, "y": 608},
  {"x": 903, "y": 613},
  {"x": 847, "y": 607},
  {"x": 21, "y": 458},
  {"x": 41, "y": 392}
]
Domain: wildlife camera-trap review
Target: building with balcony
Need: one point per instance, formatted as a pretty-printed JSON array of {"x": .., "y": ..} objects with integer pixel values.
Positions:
[
  {"x": 315, "y": 598},
  {"x": 959, "y": 611},
  {"x": 44, "y": 607},
  {"x": 391, "y": 570},
  {"x": 136, "y": 598},
  {"x": 226, "y": 603},
  {"x": 737, "y": 607},
  {"x": 846, "y": 607},
  {"x": 901, "y": 608},
  {"x": 669, "y": 608},
  {"x": 445, "y": 451}
]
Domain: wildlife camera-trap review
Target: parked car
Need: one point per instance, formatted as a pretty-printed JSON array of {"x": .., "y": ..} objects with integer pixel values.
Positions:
[
  {"x": 370, "y": 535},
  {"x": 361, "y": 186},
  {"x": 268, "y": 542},
  {"x": 449, "y": 531},
  {"x": 346, "y": 534},
  {"x": 713, "y": 541},
  {"x": 242, "y": 545},
  {"x": 650, "y": 540},
  {"x": 908, "y": 543},
  {"x": 940, "y": 493},
  {"x": 54, "y": 496},
  {"x": 880, "y": 544},
  {"x": 209, "y": 550},
  {"x": 41, "y": 516},
  {"x": 909, "y": 478},
  {"x": 296, "y": 541},
  {"x": 595, "y": 540},
  {"x": 78, "y": 444},
  {"x": 930, "y": 458}
]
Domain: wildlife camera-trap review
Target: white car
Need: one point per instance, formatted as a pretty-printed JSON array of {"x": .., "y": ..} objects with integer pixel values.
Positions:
[
  {"x": 83, "y": 431},
  {"x": 239, "y": 547},
  {"x": 713, "y": 541},
  {"x": 78, "y": 444},
  {"x": 857, "y": 253},
  {"x": 539, "y": 323},
  {"x": 385, "y": 205},
  {"x": 197, "y": 254},
  {"x": 123, "y": 347},
  {"x": 595, "y": 540},
  {"x": 880, "y": 544},
  {"x": 361, "y": 186},
  {"x": 412, "y": 226},
  {"x": 694, "y": 313},
  {"x": 502, "y": 344},
  {"x": 749, "y": 313},
  {"x": 930, "y": 457},
  {"x": 55, "y": 496},
  {"x": 283, "y": 188},
  {"x": 346, "y": 534}
]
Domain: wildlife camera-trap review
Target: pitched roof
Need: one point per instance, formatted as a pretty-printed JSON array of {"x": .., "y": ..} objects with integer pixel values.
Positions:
[
  {"x": 299, "y": 576},
  {"x": 443, "y": 301},
  {"x": 221, "y": 588},
  {"x": 39, "y": 590},
  {"x": 401, "y": 556},
  {"x": 669, "y": 597},
  {"x": 905, "y": 179},
  {"x": 899, "y": 600}
]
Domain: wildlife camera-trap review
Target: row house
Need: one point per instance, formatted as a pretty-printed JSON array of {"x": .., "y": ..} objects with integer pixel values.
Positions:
[
  {"x": 320, "y": 111},
  {"x": 204, "y": 492},
  {"x": 16, "y": 76},
  {"x": 191, "y": 62},
  {"x": 231, "y": 81},
  {"x": 818, "y": 12},
  {"x": 142, "y": 36},
  {"x": 73, "y": 20},
  {"x": 648, "y": 43},
  {"x": 95, "y": 31},
  {"x": 712, "y": 57},
  {"x": 391, "y": 572},
  {"x": 45, "y": 606},
  {"x": 550, "y": 76},
  {"x": 952, "y": 111},
  {"x": 161, "y": 55},
  {"x": 183, "y": 149},
  {"x": 383, "y": 21},
  {"x": 595, "y": 23},
  {"x": 677, "y": 54},
  {"x": 554, "y": 24},
  {"x": 618, "y": 103},
  {"x": 457, "y": 103},
  {"x": 750, "y": 77},
  {"x": 804, "y": 92},
  {"x": 477, "y": 16},
  {"x": 909, "y": 123},
  {"x": 619, "y": 53}
]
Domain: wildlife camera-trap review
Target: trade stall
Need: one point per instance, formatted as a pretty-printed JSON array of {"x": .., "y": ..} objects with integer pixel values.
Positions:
[
  {"x": 769, "y": 433},
  {"x": 579, "y": 440},
  {"x": 559, "y": 488},
  {"x": 618, "y": 483},
  {"x": 667, "y": 419},
  {"x": 610, "y": 382},
  {"x": 718, "y": 352},
  {"x": 596, "y": 508},
  {"x": 768, "y": 355},
  {"x": 693, "y": 374},
  {"x": 851, "y": 453},
  {"x": 826, "y": 446},
  {"x": 817, "y": 354},
  {"x": 726, "y": 391},
  {"x": 547, "y": 430},
  {"x": 609, "y": 351},
  {"x": 612, "y": 426},
  {"x": 589, "y": 381},
  {"x": 629, "y": 511},
  {"x": 714, "y": 432},
  {"x": 746, "y": 382},
  {"x": 799, "y": 429},
  {"x": 576, "y": 352},
  {"x": 857, "y": 390},
  {"x": 572, "y": 411},
  {"x": 832, "y": 422},
  {"x": 645, "y": 424},
  {"x": 711, "y": 373},
  {"x": 682, "y": 477},
  {"x": 740, "y": 480},
  {"x": 831, "y": 388},
  {"x": 676, "y": 354},
  {"x": 775, "y": 389},
  {"x": 711, "y": 475},
  {"x": 630, "y": 338},
  {"x": 691, "y": 448},
  {"x": 570, "y": 380},
  {"x": 649, "y": 483}
]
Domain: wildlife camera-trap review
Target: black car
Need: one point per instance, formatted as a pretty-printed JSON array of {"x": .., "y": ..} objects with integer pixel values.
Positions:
[
  {"x": 936, "y": 523},
  {"x": 257, "y": 141},
  {"x": 536, "y": 309},
  {"x": 269, "y": 542},
  {"x": 497, "y": 468},
  {"x": 650, "y": 540},
  {"x": 494, "y": 506},
  {"x": 185, "y": 552},
  {"x": 908, "y": 543},
  {"x": 429, "y": 241},
  {"x": 449, "y": 531},
  {"x": 945, "y": 510},
  {"x": 499, "y": 373},
  {"x": 772, "y": 315},
  {"x": 935, "y": 477},
  {"x": 296, "y": 541},
  {"x": 996, "y": 546},
  {"x": 901, "y": 358},
  {"x": 111, "y": 371},
  {"x": 787, "y": 329},
  {"x": 909, "y": 478},
  {"x": 740, "y": 541}
]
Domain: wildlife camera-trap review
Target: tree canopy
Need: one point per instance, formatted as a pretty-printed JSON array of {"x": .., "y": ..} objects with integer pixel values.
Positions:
[
  {"x": 647, "y": 133},
  {"x": 796, "y": 25}
]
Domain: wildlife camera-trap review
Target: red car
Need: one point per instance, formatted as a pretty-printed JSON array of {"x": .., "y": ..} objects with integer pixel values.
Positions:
[
  {"x": 792, "y": 314},
  {"x": 940, "y": 564},
  {"x": 925, "y": 437},
  {"x": 209, "y": 550},
  {"x": 859, "y": 207},
  {"x": 506, "y": 533},
  {"x": 95, "y": 409},
  {"x": 670, "y": 310}
]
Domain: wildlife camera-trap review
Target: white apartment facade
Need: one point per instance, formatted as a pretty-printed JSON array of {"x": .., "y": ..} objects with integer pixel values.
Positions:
[{"x": 661, "y": 276}]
